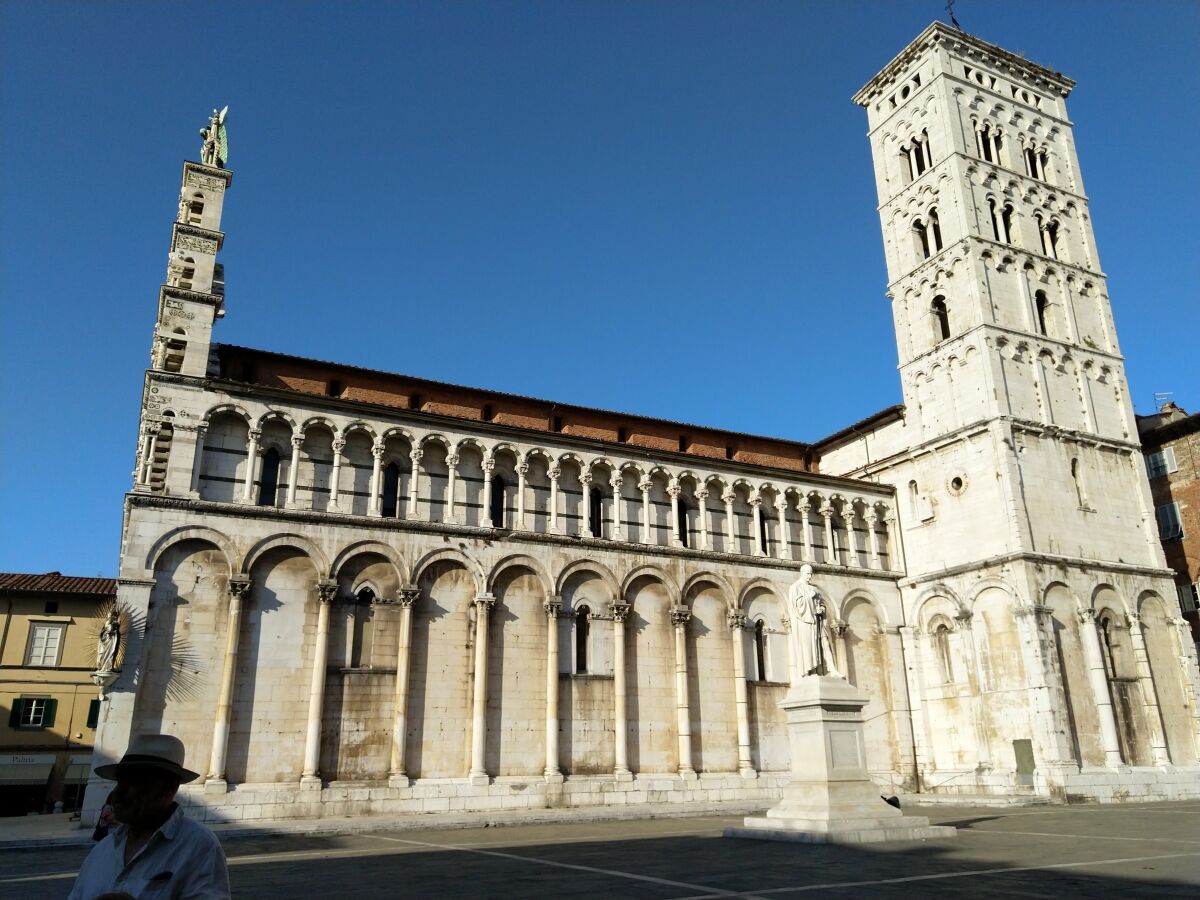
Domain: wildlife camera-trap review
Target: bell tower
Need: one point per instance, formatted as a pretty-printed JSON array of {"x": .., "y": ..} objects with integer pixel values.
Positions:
[
  {"x": 1009, "y": 362},
  {"x": 192, "y": 297}
]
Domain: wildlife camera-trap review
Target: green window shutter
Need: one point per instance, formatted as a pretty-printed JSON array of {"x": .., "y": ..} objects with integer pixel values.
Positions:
[
  {"x": 14, "y": 717},
  {"x": 93, "y": 713},
  {"x": 48, "y": 718}
]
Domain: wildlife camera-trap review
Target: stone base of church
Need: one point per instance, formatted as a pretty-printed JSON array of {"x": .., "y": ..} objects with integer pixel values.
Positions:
[{"x": 1057, "y": 784}]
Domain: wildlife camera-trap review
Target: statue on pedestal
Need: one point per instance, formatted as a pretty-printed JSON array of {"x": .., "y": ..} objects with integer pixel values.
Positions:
[
  {"x": 215, "y": 149},
  {"x": 811, "y": 646},
  {"x": 108, "y": 645}
]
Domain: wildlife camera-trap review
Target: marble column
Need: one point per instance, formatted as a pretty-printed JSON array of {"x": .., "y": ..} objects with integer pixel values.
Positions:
[
  {"x": 647, "y": 530},
  {"x": 374, "y": 506},
  {"x": 620, "y": 611},
  {"x": 414, "y": 485},
  {"x": 1151, "y": 712},
  {"x": 555, "y": 520},
  {"x": 737, "y": 626},
  {"x": 251, "y": 466},
  {"x": 294, "y": 470},
  {"x": 616, "y": 482},
  {"x": 760, "y": 548},
  {"x": 408, "y": 595},
  {"x": 478, "y": 774},
  {"x": 851, "y": 543},
  {"x": 335, "y": 477},
  {"x": 831, "y": 557},
  {"x": 522, "y": 472},
  {"x": 731, "y": 535},
  {"x": 1093, "y": 658},
  {"x": 585, "y": 505},
  {"x": 489, "y": 466},
  {"x": 239, "y": 586},
  {"x": 872, "y": 519},
  {"x": 680, "y": 616},
  {"x": 553, "y": 607},
  {"x": 895, "y": 546},
  {"x": 702, "y": 517},
  {"x": 310, "y": 776},
  {"x": 452, "y": 461},
  {"x": 785, "y": 542},
  {"x": 673, "y": 491},
  {"x": 198, "y": 459},
  {"x": 803, "y": 507}
]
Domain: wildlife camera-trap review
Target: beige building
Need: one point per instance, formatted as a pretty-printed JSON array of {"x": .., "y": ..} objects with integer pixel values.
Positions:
[
  {"x": 51, "y": 706},
  {"x": 371, "y": 593}
]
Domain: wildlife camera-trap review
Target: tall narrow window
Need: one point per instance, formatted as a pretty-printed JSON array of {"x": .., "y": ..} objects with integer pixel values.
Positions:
[
  {"x": 995, "y": 222},
  {"x": 906, "y": 164},
  {"x": 176, "y": 350},
  {"x": 760, "y": 650},
  {"x": 1077, "y": 477},
  {"x": 595, "y": 512},
  {"x": 763, "y": 532},
  {"x": 683, "y": 523},
  {"x": 1106, "y": 645},
  {"x": 497, "y": 508},
  {"x": 1042, "y": 305},
  {"x": 985, "y": 143},
  {"x": 583, "y": 628},
  {"x": 941, "y": 644},
  {"x": 1006, "y": 220},
  {"x": 1043, "y": 159},
  {"x": 1052, "y": 239},
  {"x": 941, "y": 319},
  {"x": 268, "y": 484},
  {"x": 391, "y": 491},
  {"x": 926, "y": 149},
  {"x": 358, "y": 637},
  {"x": 914, "y": 500},
  {"x": 1031, "y": 162},
  {"x": 921, "y": 238},
  {"x": 936, "y": 228}
]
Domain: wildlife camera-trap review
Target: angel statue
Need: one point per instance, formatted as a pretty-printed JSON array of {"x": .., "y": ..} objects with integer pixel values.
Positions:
[
  {"x": 108, "y": 645},
  {"x": 215, "y": 149},
  {"x": 811, "y": 647}
]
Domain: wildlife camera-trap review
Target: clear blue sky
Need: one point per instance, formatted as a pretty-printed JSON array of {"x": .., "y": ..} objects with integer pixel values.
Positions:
[{"x": 663, "y": 208}]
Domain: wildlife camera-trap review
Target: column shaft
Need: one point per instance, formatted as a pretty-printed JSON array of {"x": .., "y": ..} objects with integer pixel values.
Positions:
[
  {"x": 737, "y": 625},
  {"x": 294, "y": 469},
  {"x": 335, "y": 477},
  {"x": 414, "y": 486},
  {"x": 647, "y": 530},
  {"x": 1090, "y": 638},
  {"x": 451, "y": 514},
  {"x": 374, "y": 507},
  {"x": 220, "y": 741},
  {"x": 408, "y": 597},
  {"x": 316, "y": 694},
  {"x": 478, "y": 774},
  {"x": 621, "y": 729},
  {"x": 785, "y": 542},
  {"x": 198, "y": 459},
  {"x": 555, "y": 521},
  {"x": 553, "y": 607},
  {"x": 251, "y": 466},
  {"x": 680, "y": 616}
]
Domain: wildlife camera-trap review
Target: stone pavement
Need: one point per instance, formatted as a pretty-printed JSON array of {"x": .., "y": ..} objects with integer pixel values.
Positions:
[{"x": 1126, "y": 851}]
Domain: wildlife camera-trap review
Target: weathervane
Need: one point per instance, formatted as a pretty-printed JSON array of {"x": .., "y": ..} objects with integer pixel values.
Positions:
[{"x": 215, "y": 149}]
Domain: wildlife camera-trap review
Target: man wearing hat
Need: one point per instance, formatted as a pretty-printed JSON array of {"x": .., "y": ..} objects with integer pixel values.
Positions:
[{"x": 156, "y": 851}]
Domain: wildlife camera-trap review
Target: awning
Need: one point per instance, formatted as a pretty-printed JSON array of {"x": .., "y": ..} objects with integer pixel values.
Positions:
[
  {"x": 26, "y": 773},
  {"x": 79, "y": 769}
]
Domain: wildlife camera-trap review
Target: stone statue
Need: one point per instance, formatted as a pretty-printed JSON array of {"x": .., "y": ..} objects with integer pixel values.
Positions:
[
  {"x": 811, "y": 647},
  {"x": 109, "y": 643},
  {"x": 215, "y": 149}
]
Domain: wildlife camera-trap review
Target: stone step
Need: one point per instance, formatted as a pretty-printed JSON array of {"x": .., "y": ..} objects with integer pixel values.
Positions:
[{"x": 959, "y": 799}]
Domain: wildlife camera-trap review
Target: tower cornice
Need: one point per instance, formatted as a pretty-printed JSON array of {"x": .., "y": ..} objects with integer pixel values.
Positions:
[{"x": 939, "y": 34}]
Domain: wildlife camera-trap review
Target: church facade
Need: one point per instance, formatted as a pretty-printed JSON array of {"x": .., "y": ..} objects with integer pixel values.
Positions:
[{"x": 359, "y": 592}]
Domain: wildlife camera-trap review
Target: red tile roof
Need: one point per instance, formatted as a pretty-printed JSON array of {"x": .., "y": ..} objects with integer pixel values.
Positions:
[{"x": 56, "y": 583}]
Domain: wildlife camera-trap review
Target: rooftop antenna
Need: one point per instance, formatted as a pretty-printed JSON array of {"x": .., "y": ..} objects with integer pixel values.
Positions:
[
  {"x": 1162, "y": 398},
  {"x": 950, "y": 11}
]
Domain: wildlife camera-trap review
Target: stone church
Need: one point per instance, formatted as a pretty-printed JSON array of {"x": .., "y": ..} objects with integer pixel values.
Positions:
[{"x": 352, "y": 591}]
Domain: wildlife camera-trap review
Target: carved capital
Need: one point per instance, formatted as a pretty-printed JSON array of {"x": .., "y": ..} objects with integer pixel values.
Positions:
[
  {"x": 339, "y": 444},
  {"x": 585, "y": 478},
  {"x": 674, "y": 490},
  {"x": 553, "y": 472},
  {"x": 239, "y": 586},
  {"x": 326, "y": 591},
  {"x": 680, "y": 615},
  {"x": 553, "y": 606},
  {"x": 728, "y": 496},
  {"x": 736, "y": 620},
  {"x": 781, "y": 503},
  {"x": 618, "y": 611},
  {"x": 255, "y": 434},
  {"x": 755, "y": 498},
  {"x": 826, "y": 510},
  {"x": 416, "y": 455},
  {"x": 1087, "y": 615},
  {"x": 616, "y": 481},
  {"x": 377, "y": 451},
  {"x": 297, "y": 441},
  {"x": 839, "y": 629},
  {"x": 963, "y": 617},
  {"x": 489, "y": 463},
  {"x": 485, "y": 601},
  {"x": 523, "y": 469},
  {"x": 408, "y": 595},
  {"x": 452, "y": 460},
  {"x": 645, "y": 485},
  {"x": 803, "y": 506},
  {"x": 702, "y": 494}
]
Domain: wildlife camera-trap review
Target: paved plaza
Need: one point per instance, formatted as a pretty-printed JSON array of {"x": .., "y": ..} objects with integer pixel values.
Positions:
[{"x": 1134, "y": 851}]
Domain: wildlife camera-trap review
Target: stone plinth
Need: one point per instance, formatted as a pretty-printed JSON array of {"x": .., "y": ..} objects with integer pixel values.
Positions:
[{"x": 830, "y": 799}]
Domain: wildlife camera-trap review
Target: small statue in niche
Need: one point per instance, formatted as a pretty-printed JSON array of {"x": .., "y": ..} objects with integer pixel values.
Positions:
[
  {"x": 108, "y": 645},
  {"x": 811, "y": 645}
]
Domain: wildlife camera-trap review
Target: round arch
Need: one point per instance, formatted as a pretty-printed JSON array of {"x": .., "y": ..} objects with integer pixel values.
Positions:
[
  {"x": 586, "y": 565},
  {"x": 649, "y": 571},
  {"x": 360, "y": 548},
  {"x": 518, "y": 561},
  {"x": 446, "y": 554},
  {"x": 191, "y": 533},
  {"x": 295, "y": 541}
]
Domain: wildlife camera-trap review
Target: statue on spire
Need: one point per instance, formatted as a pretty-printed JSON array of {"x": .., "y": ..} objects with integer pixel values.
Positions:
[{"x": 215, "y": 149}]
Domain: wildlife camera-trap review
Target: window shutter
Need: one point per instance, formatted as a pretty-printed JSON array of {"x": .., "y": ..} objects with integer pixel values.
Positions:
[
  {"x": 48, "y": 717},
  {"x": 93, "y": 714},
  {"x": 1169, "y": 459},
  {"x": 14, "y": 717}
]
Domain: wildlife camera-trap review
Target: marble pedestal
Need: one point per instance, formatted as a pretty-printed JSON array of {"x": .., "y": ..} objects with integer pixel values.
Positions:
[{"x": 830, "y": 799}]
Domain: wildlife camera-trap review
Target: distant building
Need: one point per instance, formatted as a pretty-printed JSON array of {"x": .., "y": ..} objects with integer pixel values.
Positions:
[
  {"x": 47, "y": 649},
  {"x": 1171, "y": 443}
]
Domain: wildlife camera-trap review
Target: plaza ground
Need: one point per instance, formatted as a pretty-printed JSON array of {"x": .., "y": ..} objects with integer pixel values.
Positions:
[{"x": 1128, "y": 851}]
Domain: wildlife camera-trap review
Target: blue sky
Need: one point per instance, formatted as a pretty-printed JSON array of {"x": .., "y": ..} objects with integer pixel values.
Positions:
[{"x": 663, "y": 208}]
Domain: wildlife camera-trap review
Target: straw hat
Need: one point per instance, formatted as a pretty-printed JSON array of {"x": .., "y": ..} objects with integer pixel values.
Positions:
[{"x": 151, "y": 751}]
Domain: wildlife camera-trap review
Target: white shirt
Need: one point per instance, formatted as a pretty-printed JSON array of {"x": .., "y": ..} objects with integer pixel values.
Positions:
[{"x": 181, "y": 861}]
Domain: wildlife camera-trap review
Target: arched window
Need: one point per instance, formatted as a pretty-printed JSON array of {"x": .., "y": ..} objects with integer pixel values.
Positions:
[
  {"x": 995, "y": 221},
  {"x": 683, "y": 523},
  {"x": 583, "y": 634},
  {"x": 188, "y": 274},
  {"x": 1050, "y": 240},
  {"x": 921, "y": 238},
  {"x": 361, "y": 614},
  {"x": 1043, "y": 159},
  {"x": 497, "y": 508},
  {"x": 1042, "y": 305},
  {"x": 764, "y": 533},
  {"x": 1077, "y": 478},
  {"x": 760, "y": 650},
  {"x": 941, "y": 646},
  {"x": 268, "y": 485},
  {"x": 914, "y": 499},
  {"x": 1106, "y": 644},
  {"x": 1006, "y": 220},
  {"x": 391, "y": 491},
  {"x": 1031, "y": 162},
  {"x": 935, "y": 228},
  {"x": 941, "y": 319},
  {"x": 195, "y": 210},
  {"x": 595, "y": 511},
  {"x": 176, "y": 349},
  {"x": 984, "y": 137}
]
